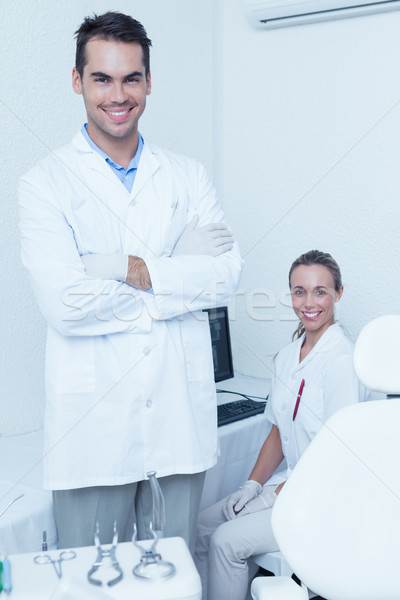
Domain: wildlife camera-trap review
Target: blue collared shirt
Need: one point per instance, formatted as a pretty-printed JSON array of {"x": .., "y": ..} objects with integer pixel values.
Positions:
[{"x": 126, "y": 176}]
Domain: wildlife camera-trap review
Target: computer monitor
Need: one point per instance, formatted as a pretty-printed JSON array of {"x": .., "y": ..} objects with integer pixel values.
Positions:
[{"x": 221, "y": 343}]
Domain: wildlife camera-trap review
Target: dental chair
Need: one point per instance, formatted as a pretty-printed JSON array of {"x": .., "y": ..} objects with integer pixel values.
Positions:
[{"x": 337, "y": 519}]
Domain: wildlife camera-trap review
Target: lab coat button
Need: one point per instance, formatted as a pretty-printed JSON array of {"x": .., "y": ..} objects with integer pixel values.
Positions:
[
  {"x": 283, "y": 406},
  {"x": 285, "y": 438},
  {"x": 149, "y": 403},
  {"x": 146, "y": 350},
  {"x": 133, "y": 202}
]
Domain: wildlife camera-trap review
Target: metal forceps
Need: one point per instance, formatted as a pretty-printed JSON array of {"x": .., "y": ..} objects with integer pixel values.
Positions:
[
  {"x": 108, "y": 553},
  {"x": 151, "y": 565},
  {"x": 45, "y": 559}
]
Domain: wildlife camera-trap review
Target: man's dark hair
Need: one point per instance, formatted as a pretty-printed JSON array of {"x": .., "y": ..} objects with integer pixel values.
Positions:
[{"x": 111, "y": 26}]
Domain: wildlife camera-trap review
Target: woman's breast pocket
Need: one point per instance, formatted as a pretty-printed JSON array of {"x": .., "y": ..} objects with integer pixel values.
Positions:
[{"x": 310, "y": 413}]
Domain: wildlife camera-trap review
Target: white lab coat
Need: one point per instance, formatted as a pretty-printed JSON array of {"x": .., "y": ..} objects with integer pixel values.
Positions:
[
  {"x": 330, "y": 384},
  {"x": 129, "y": 374}
]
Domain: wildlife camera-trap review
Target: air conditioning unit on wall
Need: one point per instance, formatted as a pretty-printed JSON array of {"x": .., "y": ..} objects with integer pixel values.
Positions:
[{"x": 268, "y": 14}]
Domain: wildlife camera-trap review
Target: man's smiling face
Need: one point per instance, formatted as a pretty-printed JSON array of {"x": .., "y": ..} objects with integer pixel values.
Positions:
[{"x": 114, "y": 88}]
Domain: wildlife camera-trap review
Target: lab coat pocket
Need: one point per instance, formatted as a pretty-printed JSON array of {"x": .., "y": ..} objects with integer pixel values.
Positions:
[
  {"x": 310, "y": 413},
  {"x": 197, "y": 346},
  {"x": 174, "y": 230},
  {"x": 70, "y": 364}
]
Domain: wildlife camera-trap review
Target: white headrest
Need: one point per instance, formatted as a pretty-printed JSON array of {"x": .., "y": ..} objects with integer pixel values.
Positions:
[{"x": 377, "y": 355}]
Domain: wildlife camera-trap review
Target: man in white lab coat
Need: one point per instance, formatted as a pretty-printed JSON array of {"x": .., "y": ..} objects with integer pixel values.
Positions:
[{"x": 125, "y": 245}]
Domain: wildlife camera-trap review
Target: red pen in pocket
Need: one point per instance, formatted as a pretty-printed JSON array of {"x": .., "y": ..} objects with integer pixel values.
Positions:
[{"x": 296, "y": 408}]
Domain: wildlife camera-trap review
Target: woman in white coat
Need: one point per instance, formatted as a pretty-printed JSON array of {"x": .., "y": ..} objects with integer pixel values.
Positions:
[{"x": 313, "y": 377}]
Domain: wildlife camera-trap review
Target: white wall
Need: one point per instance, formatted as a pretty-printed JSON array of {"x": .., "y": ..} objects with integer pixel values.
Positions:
[
  {"x": 300, "y": 128},
  {"x": 39, "y": 112},
  {"x": 309, "y": 133}
]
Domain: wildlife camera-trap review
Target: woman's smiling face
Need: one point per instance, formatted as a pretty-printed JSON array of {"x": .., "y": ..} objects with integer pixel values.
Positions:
[{"x": 313, "y": 297}]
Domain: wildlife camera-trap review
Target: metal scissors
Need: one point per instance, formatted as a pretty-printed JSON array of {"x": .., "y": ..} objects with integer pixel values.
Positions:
[{"x": 45, "y": 559}]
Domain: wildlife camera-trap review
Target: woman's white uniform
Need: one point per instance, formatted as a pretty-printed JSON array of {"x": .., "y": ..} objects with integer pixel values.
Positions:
[{"x": 223, "y": 547}]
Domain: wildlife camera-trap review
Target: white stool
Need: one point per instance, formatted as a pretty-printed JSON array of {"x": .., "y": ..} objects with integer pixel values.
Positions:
[
  {"x": 274, "y": 562},
  {"x": 277, "y": 588}
]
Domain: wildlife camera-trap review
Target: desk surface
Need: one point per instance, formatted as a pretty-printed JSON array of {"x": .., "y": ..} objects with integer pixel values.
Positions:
[
  {"x": 240, "y": 442},
  {"x": 22, "y": 525},
  {"x": 243, "y": 384}
]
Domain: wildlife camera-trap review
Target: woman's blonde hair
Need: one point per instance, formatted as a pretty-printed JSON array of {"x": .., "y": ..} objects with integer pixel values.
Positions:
[{"x": 316, "y": 257}]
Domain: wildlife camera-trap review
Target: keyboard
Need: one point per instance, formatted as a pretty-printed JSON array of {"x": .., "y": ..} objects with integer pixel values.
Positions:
[{"x": 238, "y": 410}]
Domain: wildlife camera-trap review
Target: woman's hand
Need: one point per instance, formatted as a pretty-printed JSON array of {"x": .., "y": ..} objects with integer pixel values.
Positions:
[
  {"x": 236, "y": 501},
  {"x": 263, "y": 501}
]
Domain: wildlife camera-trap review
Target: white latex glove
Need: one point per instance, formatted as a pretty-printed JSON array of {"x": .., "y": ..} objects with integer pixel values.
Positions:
[
  {"x": 236, "y": 501},
  {"x": 213, "y": 239},
  {"x": 264, "y": 500},
  {"x": 106, "y": 266}
]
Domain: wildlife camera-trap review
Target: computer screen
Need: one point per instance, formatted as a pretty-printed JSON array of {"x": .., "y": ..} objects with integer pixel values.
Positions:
[{"x": 221, "y": 343}]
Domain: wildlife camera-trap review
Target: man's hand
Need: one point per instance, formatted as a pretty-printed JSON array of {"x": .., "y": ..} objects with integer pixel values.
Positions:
[
  {"x": 138, "y": 274},
  {"x": 236, "y": 501},
  {"x": 120, "y": 267},
  {"x": 106, "y": 266},
  {"x": 213, "y": 239}
]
